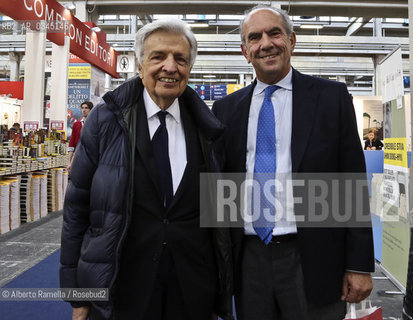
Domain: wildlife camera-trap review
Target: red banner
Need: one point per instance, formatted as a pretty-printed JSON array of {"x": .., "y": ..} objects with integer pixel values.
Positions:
[
  {"x": 15, "y": 88},
  {"x": 30, "y": 126},
  {"x": 59, "y": 21}
]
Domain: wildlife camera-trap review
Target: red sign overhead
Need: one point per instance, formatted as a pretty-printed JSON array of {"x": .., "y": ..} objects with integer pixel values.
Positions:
[
  {"x": 59, "y": 21},
  {"x": 30, "y": 126},
  {"x": 15, "y": 88}
]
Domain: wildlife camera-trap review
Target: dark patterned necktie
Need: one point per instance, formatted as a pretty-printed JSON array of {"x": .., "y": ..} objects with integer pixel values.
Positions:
[{"x": 161, "y": 153}]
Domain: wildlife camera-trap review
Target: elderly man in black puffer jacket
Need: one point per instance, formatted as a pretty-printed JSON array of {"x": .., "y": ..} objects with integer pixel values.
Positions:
[{"x": 127, "y": 227}]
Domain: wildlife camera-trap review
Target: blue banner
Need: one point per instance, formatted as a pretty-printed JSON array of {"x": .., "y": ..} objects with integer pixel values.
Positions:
[
  {"x": 218, "y": 91},
  {"x": 204, "y": 91}
]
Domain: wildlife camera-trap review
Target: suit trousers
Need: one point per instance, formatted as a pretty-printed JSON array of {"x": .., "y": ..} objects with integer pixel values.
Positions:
[
  {"x": 272, "y": 285},
  {"x": 166, "y": 302}
]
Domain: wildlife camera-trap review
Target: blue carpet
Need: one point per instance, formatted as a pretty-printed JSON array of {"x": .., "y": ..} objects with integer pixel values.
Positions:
[{"x": 45, "y": 274}]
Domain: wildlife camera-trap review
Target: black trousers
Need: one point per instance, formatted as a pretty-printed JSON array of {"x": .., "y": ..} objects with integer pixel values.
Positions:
[
  {"x": 272, "y": 285},
  {"x": 166, "y": 302}
]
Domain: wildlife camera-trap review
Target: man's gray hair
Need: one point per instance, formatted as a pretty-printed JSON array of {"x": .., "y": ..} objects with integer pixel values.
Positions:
[
  {"x": 171, "y": 25},
  {"x": 287, "y": 23}
]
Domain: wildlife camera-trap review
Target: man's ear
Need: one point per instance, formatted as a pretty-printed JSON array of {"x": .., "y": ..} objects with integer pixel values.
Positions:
[
  {"x": 245, "y": 53},
  {"x": 293, "y": 41},
  {"x": 140, "y": 70}
]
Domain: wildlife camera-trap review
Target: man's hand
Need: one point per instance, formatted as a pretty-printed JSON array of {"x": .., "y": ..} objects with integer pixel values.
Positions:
[
  {"x": 80, "y": 313},
  {"x": 356, "y": 286},
  {"x": 69, "y": 164},
  {"x": 214, "y": 317}
]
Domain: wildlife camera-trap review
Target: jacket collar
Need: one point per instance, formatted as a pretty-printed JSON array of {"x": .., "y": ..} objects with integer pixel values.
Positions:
[
  {"x": 126, "y": 96},
  {"x": 305, "y": 98}
]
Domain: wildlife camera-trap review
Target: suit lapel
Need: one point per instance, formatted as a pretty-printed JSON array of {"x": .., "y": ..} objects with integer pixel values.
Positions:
[
  {"x": 304, "y": 109},
  {"x": 144, "y": 145},
  {"x": 191, "y": 152},
  {"x": 239, "y": 130}
]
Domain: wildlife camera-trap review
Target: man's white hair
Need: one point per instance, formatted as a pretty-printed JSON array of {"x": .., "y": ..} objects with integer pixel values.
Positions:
[{"x": 169, "y": 25}]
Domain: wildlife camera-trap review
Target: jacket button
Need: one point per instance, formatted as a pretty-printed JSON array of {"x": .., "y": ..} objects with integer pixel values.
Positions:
[
  {"x": 155, "y": 258},
  {"x": 164, "y": 243},
  {"x": 165, "y": 221}
]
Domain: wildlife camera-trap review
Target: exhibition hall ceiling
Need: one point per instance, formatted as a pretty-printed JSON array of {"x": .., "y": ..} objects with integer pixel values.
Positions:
[
  {"x": 367, "y": 8},
  {"x": 336, "y": 39}
]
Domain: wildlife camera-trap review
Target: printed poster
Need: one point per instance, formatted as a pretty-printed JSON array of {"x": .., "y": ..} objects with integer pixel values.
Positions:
[
  {"x": 78, "y": 91},
  {"x": 395, "y": 215}
]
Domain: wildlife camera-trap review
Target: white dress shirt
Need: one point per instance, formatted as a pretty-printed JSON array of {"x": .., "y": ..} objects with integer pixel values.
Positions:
[
  {"x": 282, "y": 102},
  {"x": 176, "y": 135}
]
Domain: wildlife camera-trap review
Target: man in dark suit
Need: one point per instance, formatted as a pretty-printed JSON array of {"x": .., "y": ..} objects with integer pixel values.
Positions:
[
  {"x": 131, "y": 216},
  {"x": 284, "y": 123}
]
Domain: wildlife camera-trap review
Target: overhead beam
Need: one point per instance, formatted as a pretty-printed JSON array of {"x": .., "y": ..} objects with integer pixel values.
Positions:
[
  {"x": 356, "y": 25},
  {"x": 347, "y": 8},
  {"x": 209, "y": 44}
]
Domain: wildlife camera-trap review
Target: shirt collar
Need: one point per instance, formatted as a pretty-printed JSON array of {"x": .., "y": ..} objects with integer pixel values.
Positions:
[
  {"x": 152, "y": 108},
  {"x": 285, "y": 83}
]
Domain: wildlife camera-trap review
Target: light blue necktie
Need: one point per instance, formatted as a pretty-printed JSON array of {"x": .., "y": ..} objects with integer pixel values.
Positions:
[{"x": 265, "y": 164}]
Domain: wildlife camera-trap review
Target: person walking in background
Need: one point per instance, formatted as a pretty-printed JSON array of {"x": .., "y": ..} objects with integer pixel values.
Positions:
[
  {"x": 85, "y": 107},
  {"x": 286, "y": 122}
]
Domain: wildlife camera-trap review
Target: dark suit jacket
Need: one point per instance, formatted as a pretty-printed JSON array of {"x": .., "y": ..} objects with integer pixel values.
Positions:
[
  {"x": 324, "y": 138},
  {"x": 114, "y": 172},
  {"x": 177, "y": 229}
]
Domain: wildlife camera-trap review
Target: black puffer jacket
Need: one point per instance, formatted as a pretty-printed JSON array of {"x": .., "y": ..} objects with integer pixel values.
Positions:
[{"x": 99, "y": 196}]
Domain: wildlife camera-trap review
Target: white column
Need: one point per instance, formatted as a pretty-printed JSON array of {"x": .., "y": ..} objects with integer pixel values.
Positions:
[
  {"x": 34, "y": 77},
  {"x": 81, "y": 11},
  {"x": 14, "y": 59},
  {"x": 133, "y": 24},
  {"x": 341, "y": 79},
  {"x": 59, "y": 82},
  {"x": 107, "y": 82},
  {"x": 377, "y": 77},
  {"x": 241, "y": 79},
  {"x": 248, "y": 79},
  {"x": 377, "y": 27}
]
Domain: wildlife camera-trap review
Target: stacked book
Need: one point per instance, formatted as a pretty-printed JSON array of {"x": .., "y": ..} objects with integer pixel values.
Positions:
[
  {"x": 14, "y": 200},
  {"x": 8, "y": 165},
  {"x": 35, "y": 198},
  {"x": 4, "y": 207},
  {"x": 42, "y": 193},
  {"x": 51, "y": 195},
  {"x": 55, "y": 192},
  {"x": 59, "y": 188},
  {"x": 65, "y": 182},
  {"x": 25, "y": 197}
]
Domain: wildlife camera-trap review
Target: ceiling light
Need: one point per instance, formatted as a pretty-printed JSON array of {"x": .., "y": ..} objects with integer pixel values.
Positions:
[
  {"x": 311, "y": 26},
  {"x": 199, "y": 25},
  {"x": 209, "y": 76}
]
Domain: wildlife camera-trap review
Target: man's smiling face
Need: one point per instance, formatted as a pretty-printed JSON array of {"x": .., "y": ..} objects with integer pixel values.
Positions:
[
  {"x": 165, "y": 68},
  {"x": 267, "y": 45}
]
